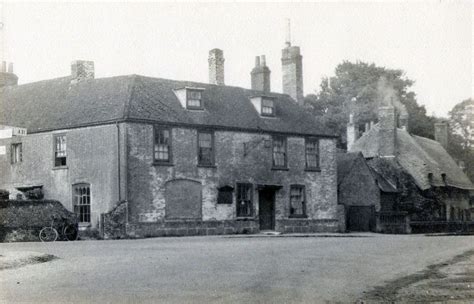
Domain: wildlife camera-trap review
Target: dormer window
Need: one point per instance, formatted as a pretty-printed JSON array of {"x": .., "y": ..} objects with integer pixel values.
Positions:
[
  {"x": 265, "y": 105},
  {"x": 193, "y": 99},
  {"x": 190, "y": 98},
  {"x": 268, "y": 107}
]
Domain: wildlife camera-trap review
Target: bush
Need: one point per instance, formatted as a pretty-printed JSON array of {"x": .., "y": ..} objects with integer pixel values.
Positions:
[{"x": 4, "y": 194}]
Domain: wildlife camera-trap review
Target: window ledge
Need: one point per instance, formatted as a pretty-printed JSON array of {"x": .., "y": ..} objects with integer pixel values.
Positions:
[
  {"x": 61, "y": 168},
  {"x": 280, "y": 168},
  {"x": 312, "y": 169},
  {"x": 156, "y": 163},
  {"x": 244, "y": 218},
  {"x": 207, "y": 166},
  {"x": 297, "y": 216}
]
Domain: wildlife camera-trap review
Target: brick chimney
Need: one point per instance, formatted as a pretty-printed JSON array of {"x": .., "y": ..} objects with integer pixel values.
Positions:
[
  {"x": 352, "y": 133},
  {"x": 7, "y": 77},
  {"x": 81, "y": 70},
  {"x": 292, "y": 69},
  {"x": 387, "y": 132},
  {"x": 441, "y": 133},
  {"x": 216, "y": 66},
  {"x": 260, "y": 75}
]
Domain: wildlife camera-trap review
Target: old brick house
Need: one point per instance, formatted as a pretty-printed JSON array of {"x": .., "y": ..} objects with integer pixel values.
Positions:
[
  {"x": 434, "y": 187},
  {"x": 186, "y": 158}
]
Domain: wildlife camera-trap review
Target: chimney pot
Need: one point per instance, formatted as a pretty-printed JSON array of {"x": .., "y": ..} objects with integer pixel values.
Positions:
[
  {"x": 257, "y": 61},
  {"x": 216, "y": 66},
  {"x": 4, "y": 66},
  {"x": 10, "y": 67},
  {"x": 260, "y": 75}
]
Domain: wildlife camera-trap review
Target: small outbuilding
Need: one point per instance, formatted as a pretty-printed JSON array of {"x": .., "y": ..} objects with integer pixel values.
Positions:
[{"x": 363, "y": 191}]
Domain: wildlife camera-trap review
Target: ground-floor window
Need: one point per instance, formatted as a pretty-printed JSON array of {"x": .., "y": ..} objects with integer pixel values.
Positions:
[
  {"x": 244, "y": 200},
  {"x": 297, "y": 201},
  {"x": 82, "y": 202}
]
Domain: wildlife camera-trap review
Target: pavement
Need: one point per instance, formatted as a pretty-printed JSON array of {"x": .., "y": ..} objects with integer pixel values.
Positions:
[{"x": 305, "y": 268}]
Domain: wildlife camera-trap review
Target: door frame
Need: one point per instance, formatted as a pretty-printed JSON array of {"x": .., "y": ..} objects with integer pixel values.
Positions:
[{"x": 269, "y": 190}]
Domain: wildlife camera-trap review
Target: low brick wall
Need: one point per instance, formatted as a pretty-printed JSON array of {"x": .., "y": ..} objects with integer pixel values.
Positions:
[
  {"x": 191, "y": 227},
  {"x": 21, "y": 220},
  {"x": 302, "y": 225},
  {"x": 442, "y": 226}
]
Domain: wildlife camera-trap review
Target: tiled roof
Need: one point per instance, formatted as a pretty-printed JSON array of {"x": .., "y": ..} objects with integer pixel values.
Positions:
[
  {"x": 55, "y": 104},
  {"x": 346, "y": 163},
  {"x": 418, "y": 156}
]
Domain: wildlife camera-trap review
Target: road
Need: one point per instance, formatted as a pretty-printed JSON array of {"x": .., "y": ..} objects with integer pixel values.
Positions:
[{"x": 221, "y": 269}]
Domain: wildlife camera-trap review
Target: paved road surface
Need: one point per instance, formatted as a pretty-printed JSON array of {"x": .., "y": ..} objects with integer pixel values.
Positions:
[{"x": 221, "y": 269}]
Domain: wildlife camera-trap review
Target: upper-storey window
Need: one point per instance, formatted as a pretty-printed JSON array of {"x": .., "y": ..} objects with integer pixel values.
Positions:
[
  {"x": 279, "y": 152},
  {"x": 312, "y": 153},
  {"x": 16, "y": 153},
  {"x": 162, "y": 146},
  {"x": 60, "y": 150},
  {"x": 268, "y": 107},
  {"x": 194, "y": 99},
  {"x": 205, "y": 148}
]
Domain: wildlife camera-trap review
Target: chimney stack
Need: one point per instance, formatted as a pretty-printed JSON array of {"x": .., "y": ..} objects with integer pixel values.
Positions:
[
  {"x": 216, "y": 67},
  {"x": 7, "y": 77},
  {"x": 352, "y": 133},
  {"x": 260, "y": 75},
  {"x": 81, "y": 70},
  {"x": 292, "y": 68},
  {"x": 387, "y": 132},
  {"x": 441, "y": 133}
]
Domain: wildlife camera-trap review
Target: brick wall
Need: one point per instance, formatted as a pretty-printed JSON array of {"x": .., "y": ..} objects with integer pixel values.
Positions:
[
  {"x": 146, "y": 181},
  {"x": 91, "y": 158}
]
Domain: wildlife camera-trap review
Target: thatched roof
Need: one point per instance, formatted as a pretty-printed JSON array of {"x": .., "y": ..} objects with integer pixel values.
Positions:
[{"x": 419, "y": 157}]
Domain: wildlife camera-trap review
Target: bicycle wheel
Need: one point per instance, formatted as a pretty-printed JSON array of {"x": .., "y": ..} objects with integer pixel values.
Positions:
[
  {"x": 48, "y": 234},
  {"x": 70, "y": 232}
]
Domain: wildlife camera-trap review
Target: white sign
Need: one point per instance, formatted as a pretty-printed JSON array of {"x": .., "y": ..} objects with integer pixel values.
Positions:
[{"x": 3, "y": 150}]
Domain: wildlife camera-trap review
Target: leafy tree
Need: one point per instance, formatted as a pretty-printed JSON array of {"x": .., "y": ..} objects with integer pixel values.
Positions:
[
  {"x": 356, "y": 88},
  {"x": 461, "y": 146}
]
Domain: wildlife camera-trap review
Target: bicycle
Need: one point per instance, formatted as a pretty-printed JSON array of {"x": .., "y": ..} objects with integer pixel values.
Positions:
[{"x": 50, "y": 234}]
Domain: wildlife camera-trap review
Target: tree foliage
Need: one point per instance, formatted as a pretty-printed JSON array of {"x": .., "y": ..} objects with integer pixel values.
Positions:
[
  {"x": 461, "y": 146},
  {"x": 355, "y": 88}
]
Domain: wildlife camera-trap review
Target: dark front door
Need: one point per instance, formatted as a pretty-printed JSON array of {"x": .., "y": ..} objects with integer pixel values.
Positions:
[
  {"x": 267, "y": 209},
  {"x": 361, "y": 218}
]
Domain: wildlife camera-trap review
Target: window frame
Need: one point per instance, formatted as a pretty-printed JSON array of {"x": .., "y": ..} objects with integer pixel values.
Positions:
[
  {"x": 192, "y": 107},
  {"x": 13, "y": 155},
  {"x": 304, "y": 204},
  {"x": 272, "y": 114},
  {"x": 285, "y": 147},
  {"x": 157, "y": 128},
  {"x": 251, "y": 199},
  {"x": 55, "y": 158},
  {"x": 213, "y": 151},
  {"x": 75, "y": 205},
  {"x": 316, "y": 141}
]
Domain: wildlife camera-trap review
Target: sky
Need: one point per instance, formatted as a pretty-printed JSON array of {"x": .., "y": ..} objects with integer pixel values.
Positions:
[{"x": 432, "y": 41}]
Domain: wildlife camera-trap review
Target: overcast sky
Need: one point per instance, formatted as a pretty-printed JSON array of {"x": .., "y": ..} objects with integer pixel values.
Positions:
[{"x": 432, "y": 41}]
